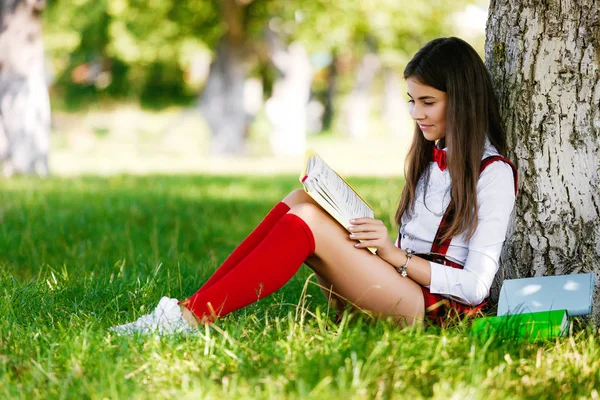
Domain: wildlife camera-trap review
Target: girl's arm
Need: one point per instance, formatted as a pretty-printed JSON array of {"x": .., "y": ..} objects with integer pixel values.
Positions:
[
  {"x": 471, "y": 285},
  {"x": 496, "y": 197},
  {"x": 374, "y": 233}
]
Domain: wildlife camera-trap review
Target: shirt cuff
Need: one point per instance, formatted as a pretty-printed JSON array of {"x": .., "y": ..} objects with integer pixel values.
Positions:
[{"x": 439, "y": 283}]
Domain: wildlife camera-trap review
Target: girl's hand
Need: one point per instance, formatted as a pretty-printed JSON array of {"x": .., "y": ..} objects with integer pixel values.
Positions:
[{"x": 373, "y": 233}]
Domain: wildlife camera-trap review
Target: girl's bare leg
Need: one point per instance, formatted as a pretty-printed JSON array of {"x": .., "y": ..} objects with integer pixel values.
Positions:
[
  {"x": 362, "y": 278},
  {"x": 317, "y": 263},
  {"x": 296, "y": 198}
]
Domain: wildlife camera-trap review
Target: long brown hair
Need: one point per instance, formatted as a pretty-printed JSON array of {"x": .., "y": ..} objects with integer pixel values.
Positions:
[{"x": 451, "y": 65}]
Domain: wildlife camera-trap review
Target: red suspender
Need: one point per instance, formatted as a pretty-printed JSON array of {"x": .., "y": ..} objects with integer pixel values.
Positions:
[
  {"x": 488, "y": 160},
  {"x": 439, "y": 247}
]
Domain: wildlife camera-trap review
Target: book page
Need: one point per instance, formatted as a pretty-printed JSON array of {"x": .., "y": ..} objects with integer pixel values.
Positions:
[
  {"x": 333, "y": 189},
  {"x": 333, "y": 193},
  {"x": 327, "y": 204}
]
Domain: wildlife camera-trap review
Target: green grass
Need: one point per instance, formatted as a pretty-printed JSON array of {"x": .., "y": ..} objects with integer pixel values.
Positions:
[{"x": 80, "y": 255}]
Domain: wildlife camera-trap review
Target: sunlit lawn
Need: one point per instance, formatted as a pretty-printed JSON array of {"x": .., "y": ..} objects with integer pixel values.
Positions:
[{"x": 79, "y": 255}]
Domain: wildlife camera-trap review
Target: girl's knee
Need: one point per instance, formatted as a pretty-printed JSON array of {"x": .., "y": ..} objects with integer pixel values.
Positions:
[
  {"x": 297, "y": 197},
  {"x": 309, "y": 212}
]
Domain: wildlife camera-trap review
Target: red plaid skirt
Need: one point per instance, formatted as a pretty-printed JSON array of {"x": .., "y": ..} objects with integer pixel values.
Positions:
[{"x": 441, "y": 310}]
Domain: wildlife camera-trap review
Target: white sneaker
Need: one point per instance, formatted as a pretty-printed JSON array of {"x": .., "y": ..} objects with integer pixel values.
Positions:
[{"x": 165, "y": 319}]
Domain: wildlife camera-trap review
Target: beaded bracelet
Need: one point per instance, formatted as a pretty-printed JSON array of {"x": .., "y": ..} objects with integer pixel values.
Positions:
[{"x": 402, "y": 269}]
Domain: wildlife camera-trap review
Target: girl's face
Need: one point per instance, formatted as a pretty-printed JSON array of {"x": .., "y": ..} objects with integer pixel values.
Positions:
[{"x": 427, "y": 107}]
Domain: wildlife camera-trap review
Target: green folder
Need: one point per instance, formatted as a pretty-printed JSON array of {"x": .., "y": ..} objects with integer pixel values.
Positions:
[{"x": 534, "y": 326}]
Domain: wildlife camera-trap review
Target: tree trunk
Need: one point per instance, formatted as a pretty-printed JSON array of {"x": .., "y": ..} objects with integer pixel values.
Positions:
[
  {"x": 222, "y": 101},
  {"x": 286, "y": 109},
  {"x": 544, "y": 58},
  {"x": 24, "y": 101},
  {"x": 358, "y": 106},
  {"x": 332, "y": 78},
  {"x": 394, "y": 103}
]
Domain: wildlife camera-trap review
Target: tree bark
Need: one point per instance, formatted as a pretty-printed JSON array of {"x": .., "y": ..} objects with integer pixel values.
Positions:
[
  {"x": 24, "y": 101},
  {"x": 544, "y": 58}
]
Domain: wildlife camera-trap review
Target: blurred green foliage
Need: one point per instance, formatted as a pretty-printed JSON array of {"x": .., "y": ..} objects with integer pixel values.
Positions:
[
  {"x": 126, "y": 48},
  {"x": 144, "y": 49}
]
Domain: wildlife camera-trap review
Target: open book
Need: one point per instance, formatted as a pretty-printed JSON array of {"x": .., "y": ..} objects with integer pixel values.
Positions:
[{"x": 333, "y": 193}]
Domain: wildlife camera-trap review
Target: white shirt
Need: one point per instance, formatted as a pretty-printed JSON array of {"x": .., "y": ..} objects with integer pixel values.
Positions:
[{"x": 480, "y": 254}]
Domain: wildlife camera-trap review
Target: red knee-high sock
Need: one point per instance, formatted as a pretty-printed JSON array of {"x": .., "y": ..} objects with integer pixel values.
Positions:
[
  {"x": 248, "y": 244},
  {"x": 266, "y": 269}
]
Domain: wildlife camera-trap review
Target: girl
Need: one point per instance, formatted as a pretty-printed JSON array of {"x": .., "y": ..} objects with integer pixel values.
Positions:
[{"x": 453, "y": 216}]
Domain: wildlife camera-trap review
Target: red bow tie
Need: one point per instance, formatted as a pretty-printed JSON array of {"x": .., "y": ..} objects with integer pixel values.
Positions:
[{"x": 439, "y": 156}]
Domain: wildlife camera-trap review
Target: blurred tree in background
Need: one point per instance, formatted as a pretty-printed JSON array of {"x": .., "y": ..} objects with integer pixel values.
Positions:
[
  {"x": 296, "y": 57},
  {"x": 24, "y": 102}
]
